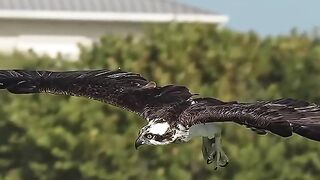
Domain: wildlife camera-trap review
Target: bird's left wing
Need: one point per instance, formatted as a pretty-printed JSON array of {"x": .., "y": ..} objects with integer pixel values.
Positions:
[
  {"x": 282, "y": 117},
  {"x": 124, "y": 89}
]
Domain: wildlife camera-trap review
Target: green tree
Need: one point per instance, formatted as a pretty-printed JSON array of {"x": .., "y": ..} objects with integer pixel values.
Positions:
[{"x": 60, "y": 137}]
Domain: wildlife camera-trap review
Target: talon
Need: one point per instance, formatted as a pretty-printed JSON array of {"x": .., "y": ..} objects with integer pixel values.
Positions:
[
  {"x": 213, "y": 153},
  {"x": 210, "y": 159},
  {"x": 225, "y": 164}
]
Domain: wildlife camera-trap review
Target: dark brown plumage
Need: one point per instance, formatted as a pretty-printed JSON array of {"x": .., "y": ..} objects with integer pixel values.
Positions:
[
  {"x": 124, "y": 89},
  {"x": 281, "y": 117},
  {"x": 173, "y": 103}
]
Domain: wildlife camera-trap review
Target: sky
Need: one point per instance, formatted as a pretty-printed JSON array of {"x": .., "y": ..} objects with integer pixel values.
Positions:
[{"x": 266, "y": 17}]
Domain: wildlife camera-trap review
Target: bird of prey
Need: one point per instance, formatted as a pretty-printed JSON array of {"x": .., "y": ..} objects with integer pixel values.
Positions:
[{"x": 173, "y": 114}]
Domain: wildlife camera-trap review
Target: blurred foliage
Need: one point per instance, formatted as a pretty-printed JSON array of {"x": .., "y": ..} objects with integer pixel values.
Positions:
[{"x": 60, "y": 137}]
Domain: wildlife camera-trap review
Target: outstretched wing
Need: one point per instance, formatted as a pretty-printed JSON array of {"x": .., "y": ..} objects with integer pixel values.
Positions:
[
  {"x": 123, "y": 89},
  {"x": 281, "y": 117}
]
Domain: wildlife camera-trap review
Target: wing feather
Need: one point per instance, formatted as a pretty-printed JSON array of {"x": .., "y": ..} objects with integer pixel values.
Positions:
[
  {"x": 282, "y": 117},
  {"x": 124, "y": 89}
]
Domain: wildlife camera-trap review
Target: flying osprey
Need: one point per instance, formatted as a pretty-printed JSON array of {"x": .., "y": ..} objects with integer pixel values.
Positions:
[{"x": 172, "y": 112}]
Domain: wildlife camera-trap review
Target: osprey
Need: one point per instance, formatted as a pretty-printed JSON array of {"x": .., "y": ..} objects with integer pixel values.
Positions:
[{"x": 173, "y": 114}]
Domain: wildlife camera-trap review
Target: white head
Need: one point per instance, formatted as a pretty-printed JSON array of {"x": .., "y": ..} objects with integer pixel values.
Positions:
[{"x": 156, "y": 132}]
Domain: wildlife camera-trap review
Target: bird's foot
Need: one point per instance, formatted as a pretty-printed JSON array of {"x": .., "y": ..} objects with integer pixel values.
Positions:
[{"x": 213, "y": 154}]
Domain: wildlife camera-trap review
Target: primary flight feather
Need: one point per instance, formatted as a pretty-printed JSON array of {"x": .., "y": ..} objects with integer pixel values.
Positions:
[{"x": 172, "y": 112}]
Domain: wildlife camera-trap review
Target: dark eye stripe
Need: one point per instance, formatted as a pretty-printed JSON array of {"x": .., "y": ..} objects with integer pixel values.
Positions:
[{"x": 160, "y": 138}]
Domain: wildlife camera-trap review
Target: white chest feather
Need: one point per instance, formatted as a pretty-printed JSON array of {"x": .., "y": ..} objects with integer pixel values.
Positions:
[
  {"x": 159, "y": 128},
  {"x": 204, "y": 130}
]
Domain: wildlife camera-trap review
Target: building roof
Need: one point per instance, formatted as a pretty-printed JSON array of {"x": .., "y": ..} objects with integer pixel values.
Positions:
[
  {"x": 146, "y": 6},
  {"x": 108, "y": 10}
]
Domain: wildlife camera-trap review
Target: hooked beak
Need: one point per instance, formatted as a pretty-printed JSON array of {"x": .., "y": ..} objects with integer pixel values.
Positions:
[{"x": 138, "y": 142}]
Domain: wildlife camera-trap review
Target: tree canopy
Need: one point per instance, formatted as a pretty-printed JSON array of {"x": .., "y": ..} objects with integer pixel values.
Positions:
[{"x": 61, "y": 137}]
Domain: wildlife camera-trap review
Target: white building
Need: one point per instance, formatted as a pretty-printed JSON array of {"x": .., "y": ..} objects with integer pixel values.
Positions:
[{"x": 57, "y": 26}]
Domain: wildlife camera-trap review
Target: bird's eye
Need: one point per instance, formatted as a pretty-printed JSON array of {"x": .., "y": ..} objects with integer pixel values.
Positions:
[{"x": 149, "y": 136}]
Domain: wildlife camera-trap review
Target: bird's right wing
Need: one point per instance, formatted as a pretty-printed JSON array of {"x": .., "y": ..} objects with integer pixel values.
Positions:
[
  {"x": 123, "y": 89},
  {"x": 281, "y": 117}
]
